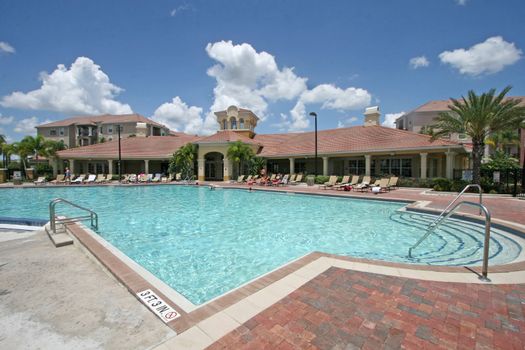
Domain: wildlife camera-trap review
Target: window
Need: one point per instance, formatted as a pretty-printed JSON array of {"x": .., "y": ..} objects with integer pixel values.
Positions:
[
  {"x": 224, "y": 124},
  {"x": 356, "y": 166},
  {"x": 300, "y": 166},
  {"x": 61, "y": 131},
  {"x": 396, "y": 166},
  {"x": 101, "y": 130},
  {"x": 53, "y": 132},
  {"x": 110, "y": 129},
  {"x": 233, "y": 123},
  {"x": 241, "y": 123}
]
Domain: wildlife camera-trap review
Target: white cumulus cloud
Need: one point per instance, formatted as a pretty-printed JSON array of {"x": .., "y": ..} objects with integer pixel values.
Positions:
[
  {"x": 6, "y": 120},
  {"x": 82, "y": 89},
  {"x": 250, "y": 79},
  {"x": 418, "y": 62},
  {"x": 330, "y": 97},
  {"x": 488, "y": 57},
  {"x": 27, "y": 125},
  {"x": 390, "y": 119},
  {"x": 178, "y": 116},
  {"x": 346, "y": 122},
  {"x": 6, "y": 48}
]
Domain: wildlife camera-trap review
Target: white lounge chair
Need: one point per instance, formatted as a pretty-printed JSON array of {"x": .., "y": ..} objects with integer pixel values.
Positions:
[
  {"x": 79, "y": 179},
  {"x": 157, "y": 177},
  {"x": 91, "y": 179},
  {"x": 40, "y": 181}
]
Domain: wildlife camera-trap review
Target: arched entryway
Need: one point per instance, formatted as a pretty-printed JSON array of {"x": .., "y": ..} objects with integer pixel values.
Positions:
[{"x": 213, "y": 166}]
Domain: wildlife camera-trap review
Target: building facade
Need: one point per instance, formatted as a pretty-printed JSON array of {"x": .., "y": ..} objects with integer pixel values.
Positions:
[
  {"x": 89, "y": 130},
  {"x": 368, "y": 149}
]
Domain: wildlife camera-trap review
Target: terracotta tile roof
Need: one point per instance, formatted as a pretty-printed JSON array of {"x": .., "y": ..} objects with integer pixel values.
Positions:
[
  {"x": 153, "y": 147},
  {"x": 442, "y": 105},
  {"x": 104, "y": 119},
  {"x": 225, "y": 136},
  {"x": 358, "y": 139}
]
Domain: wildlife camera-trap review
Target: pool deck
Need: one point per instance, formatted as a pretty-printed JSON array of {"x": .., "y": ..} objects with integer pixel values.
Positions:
[{"x": 322, "y": 301}]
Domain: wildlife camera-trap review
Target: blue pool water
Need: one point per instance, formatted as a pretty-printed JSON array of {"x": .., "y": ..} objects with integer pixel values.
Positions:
[{"x": 204, "y": 243}]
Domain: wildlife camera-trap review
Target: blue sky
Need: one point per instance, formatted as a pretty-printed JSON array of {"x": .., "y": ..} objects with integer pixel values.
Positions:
[{"x": 176, "y": 61}]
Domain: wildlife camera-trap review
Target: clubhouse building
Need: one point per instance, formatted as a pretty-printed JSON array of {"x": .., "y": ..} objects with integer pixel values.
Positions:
[{"x": 368, "y": 149}]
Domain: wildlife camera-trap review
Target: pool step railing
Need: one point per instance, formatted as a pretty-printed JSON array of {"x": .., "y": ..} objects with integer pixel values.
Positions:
[
  {"x": 483, "y": 209},
  {"x": 55, "y": 220},
  {"x": 434, "y": 224}
]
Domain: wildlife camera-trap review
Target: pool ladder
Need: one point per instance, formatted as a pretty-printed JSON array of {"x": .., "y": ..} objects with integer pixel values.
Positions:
[
  {"x": 449, "y": 211},
  {"x": 54, "y": 220}
]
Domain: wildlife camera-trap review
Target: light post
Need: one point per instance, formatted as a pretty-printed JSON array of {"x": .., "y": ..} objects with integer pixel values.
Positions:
[
  {"x": 313, "y": 114},
  {"x": 119, "y": 156}
]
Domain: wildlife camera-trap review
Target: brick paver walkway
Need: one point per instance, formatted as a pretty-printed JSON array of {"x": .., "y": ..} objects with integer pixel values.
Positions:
[{"x": 343, "y": 309}]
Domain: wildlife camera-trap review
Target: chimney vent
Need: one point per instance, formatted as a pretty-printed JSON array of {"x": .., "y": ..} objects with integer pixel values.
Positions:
[{"x": 372, "y": 116}]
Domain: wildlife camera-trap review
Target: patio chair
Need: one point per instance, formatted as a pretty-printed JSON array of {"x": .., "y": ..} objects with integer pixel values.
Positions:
[
  {"x": 383, "y": 186},
  {"x": 363, "y": 186},
  {"x": 249, "y": 178},
  {"x": 157, "y": 177},
  {"x": 330, "y": 183},
  {"x": 297, "y": 180},
  {"x": 132, "y": 178},
  {"x": 355, "y": 180},
  {"x": 392, "y": 184},
  {"x": 109, "y": 177},
  {"x": 91, "y": 179},
  {"x": 344, "y": 182},
  {"x": 178, "y": 177},
  {"x": 292, "y": 178},
  {"x": 282, "y": 182},
  {"x": 240, "y": 179},
  {"x": 40, "y": 181},
  {"x": 79, "y": 179},
  {"x": 101, "y": 178},
  {"x": 60, "y": 179}
]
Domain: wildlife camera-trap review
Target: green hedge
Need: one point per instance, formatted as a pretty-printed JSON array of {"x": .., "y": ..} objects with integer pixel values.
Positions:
[{"x": 43, "y": 169}]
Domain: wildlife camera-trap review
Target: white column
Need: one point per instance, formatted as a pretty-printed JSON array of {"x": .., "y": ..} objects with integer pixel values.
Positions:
[
  {"x": 449, "y": 170},
  {"x": 146, "y": 166},
  {"x": 72, "y": 166},
  {"x": 292, "y": 165},
  {"x": 227, "y": 169},
  {"x": 325, "y": 166},
  {"x": 368, "y": 163},
  {"x": 200, "y": 170},
  {"x": 110, "y": 167},
  {"x": 54, "y": 165},
  {"x": 423, "y": 165}
]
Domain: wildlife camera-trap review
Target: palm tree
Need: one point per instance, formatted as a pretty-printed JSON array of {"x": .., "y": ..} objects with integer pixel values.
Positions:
[
  {"x": 504, "y": 138},
  {"x": 182, "y": 161},
  {"x": 479, "y": 116},
  {"x": 256, "y": 164},
  {"x": 239, "y": 152},
  {"x": 2, "y": 143}
]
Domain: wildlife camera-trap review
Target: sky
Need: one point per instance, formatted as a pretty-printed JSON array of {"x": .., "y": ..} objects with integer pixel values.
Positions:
[{"x": 178, "y": 61}]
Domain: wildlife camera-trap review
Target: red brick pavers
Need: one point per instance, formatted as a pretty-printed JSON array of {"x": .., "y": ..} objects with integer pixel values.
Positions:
[{"x": 343, "y": 309}]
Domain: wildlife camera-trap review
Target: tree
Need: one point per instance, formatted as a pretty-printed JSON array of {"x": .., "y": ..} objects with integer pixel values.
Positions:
[
  {"x": 256, "y": 164},
  {"x": 479, "y": 116},
  {"x": 2, "y": 143},
  {"x": 239, "y": 152},
  {"x": 503, "y": 138},
  {"x": 182, "y": 161}
]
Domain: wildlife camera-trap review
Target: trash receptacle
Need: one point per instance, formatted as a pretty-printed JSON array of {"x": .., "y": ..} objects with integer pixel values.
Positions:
[{"x": 310, "y": 180}]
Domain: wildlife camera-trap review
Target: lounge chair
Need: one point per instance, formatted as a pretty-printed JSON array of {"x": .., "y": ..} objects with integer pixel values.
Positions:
[
  {"x": 109, "y": 177},
  {"x": 330, "y": 183},
  {"x": 157, "y": 177},
  {"x": 383, "y": 185},
  {"x": 281, "y": 182},
  {"x": 79, "y": 179},
  {"x": 101, "y": 178},
  {"x": 354, "y": 181},
  {"x": 249, "y": 178},
  {"x": 297, "y": 180},
  {"x": 392, "y": 184},
  {"x": 91, "y": 179},
  {"x": 40, "y": 181},
  {"x": 344, "y": 182},
  {"x": 169, "y": 178},
  {"x": 378, "y": 181},
  {"x": 363, "y": 186},
  {"x": 132, "y": 178},
  {"x": 60, "y": 179},
  {"x": 292, "y": 178},
  {"x": 178, "y": 176},
  {"x": 240, "y": 179}
]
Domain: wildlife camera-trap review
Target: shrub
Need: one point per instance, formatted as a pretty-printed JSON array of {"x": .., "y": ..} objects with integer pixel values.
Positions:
[
  {"x": 441, "y": 184},
  {"x": 414, "y": 182},
  {"x": 321, "y": 179},
  {"x": 14, "y": 166},
  {"x": 458, "y": 185},
  {"x": 43, "y": 169}
]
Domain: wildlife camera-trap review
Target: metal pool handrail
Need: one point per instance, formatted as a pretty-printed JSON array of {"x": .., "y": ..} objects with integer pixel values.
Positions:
[
  {"x": 54, "y": 220},
  {"x": 482, "y": 208},
  {"x": 434, "y": 224}
]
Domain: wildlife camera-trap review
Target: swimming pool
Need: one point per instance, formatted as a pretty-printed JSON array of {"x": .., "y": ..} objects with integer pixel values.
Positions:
[{"x": 204, "y": 243}]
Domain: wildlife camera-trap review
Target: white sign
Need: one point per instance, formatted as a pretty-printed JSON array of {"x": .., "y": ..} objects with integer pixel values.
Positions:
[
  {"x": 165, "y": 312},
  {"x": 496, "y": 176},
  {"x": 466, "y": 175},
  {"x": 17, "y": 175}
]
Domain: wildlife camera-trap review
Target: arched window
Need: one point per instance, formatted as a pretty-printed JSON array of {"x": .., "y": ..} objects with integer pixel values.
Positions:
[
  {"x": 233, "y": 123},
  {"x": 241, "y": 123},
  {"x": 224, "y": 124}
]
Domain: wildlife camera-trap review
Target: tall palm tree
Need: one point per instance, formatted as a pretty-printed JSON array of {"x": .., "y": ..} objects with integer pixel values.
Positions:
[
  {"x": 479, "y": 116},
  {"x": 182, "y": 161},
  {"x": 503, "y": 138},
  {"x": 239, "y": 152}
]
